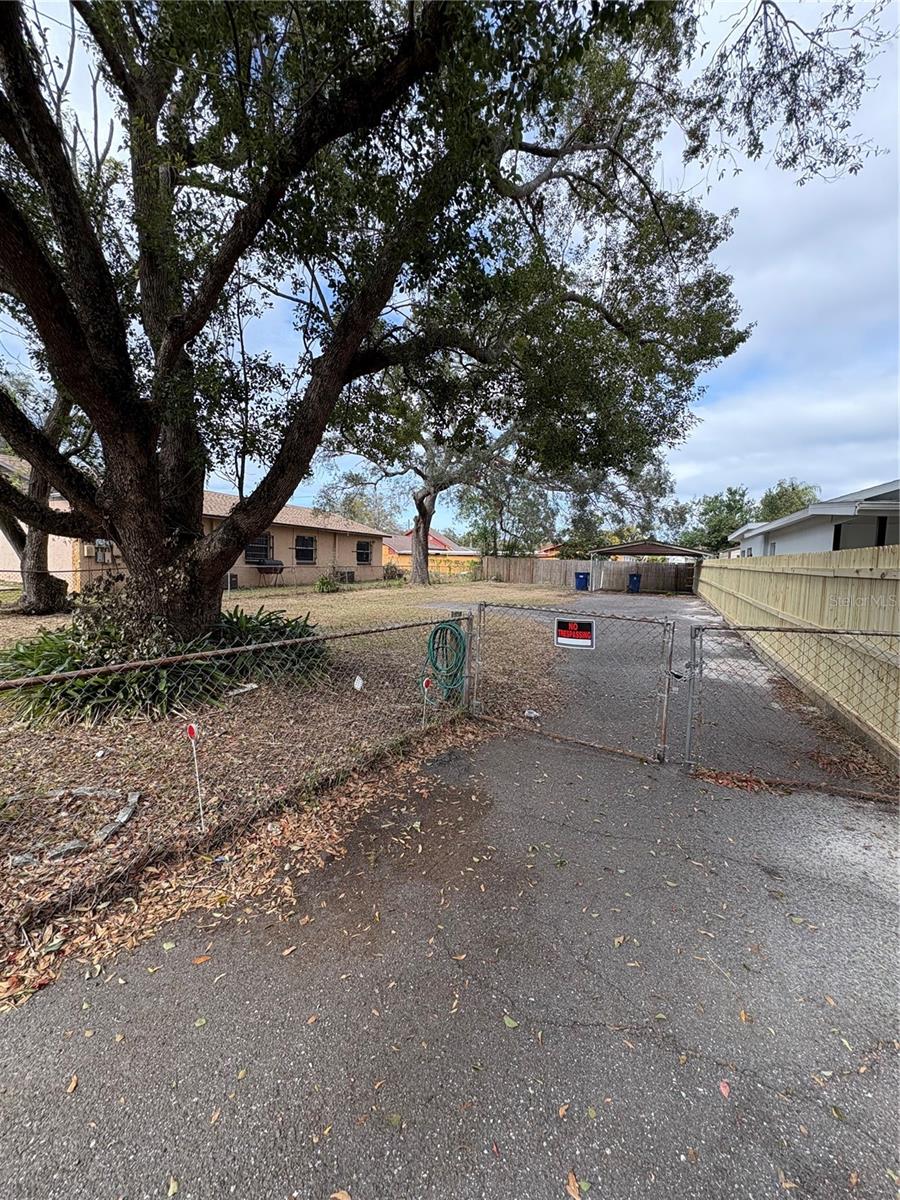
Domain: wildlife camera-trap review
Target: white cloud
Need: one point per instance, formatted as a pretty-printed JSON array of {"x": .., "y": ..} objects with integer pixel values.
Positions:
[{"x": 813, "y": 393}]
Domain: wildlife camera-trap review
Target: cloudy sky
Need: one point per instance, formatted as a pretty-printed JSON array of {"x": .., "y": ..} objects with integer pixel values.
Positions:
[{"x": 813, "y": 393}]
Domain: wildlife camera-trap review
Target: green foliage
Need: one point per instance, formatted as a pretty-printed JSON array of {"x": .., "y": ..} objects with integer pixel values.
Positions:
[
  {"x": 142, "y": 692},
  {"x": 327, "y": 583},
  {"x": 393, "y": 572},
  {"x": 716, "y": 517},
  {"x": 505, "y": 515},
  {"x": 785, "y": 497},
  {"x": 353, "y": 497},
  {"x": 98, "y": 637}
]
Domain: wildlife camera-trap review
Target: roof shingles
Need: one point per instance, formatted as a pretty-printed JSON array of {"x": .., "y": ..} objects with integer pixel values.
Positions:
[{"x": 218, "y": 505}]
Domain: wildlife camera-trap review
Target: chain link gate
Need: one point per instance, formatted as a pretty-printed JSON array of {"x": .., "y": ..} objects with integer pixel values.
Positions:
[
  {"x": 612, "y": 696},
  {"x": 803, "y": 707}
]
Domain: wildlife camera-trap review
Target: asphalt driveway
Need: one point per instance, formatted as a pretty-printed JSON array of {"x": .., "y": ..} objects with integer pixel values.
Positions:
[{"x": 550, "y": 968}]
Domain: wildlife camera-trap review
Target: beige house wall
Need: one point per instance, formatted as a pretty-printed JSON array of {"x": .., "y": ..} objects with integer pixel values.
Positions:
[
  {"x": 333, "y": 551},
  {"x": 77, "y": 563}
]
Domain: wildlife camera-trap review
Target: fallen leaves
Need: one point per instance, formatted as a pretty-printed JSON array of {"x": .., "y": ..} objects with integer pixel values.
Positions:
[
  {"x": 620, "y": 940},
  {"x": 510, "y": 1023},
  {"x": 563, "y": 1109},
  {"x": 216, "y": 1113},
  {"x": 725, "y": 1088},
  {"x": 312, "y": 1020},
  {"x": 576, "y": 1188},
  {"x": 290, "y": 950},
  {"x": 746, "y": 1019},
  {"x": 342, "y": 1195},
  {"x": 247, "y": 863},
  {"x": 200, "y": 1022},
  {"x": 73, "y": 1084},
  {"x": 172, "y": 1189},
  {"x": 784, "y": 1183}
]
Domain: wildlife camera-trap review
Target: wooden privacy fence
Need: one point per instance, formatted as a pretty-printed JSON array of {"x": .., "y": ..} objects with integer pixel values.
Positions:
[
  {"x": 607, "y": 576},
  {"x": 858, "y": 677}
]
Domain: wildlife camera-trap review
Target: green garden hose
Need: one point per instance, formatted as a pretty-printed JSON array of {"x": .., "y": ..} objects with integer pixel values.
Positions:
[{"x": 445, "y": 662}]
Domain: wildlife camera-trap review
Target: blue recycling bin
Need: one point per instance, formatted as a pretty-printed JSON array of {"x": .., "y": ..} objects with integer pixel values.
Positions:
[
  {"x": 582, "y": 581},
  {"x": 634, "y": 581}
]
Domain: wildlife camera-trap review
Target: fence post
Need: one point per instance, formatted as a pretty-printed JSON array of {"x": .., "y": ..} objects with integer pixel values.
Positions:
[
  {"x": 668, "y": 649},
  {"x": 695, "y": 673},
  {"x": 473, "y": 652}
]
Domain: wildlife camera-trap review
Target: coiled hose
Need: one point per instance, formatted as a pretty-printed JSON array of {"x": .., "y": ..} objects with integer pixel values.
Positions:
[{"x": 445, "y": 662}]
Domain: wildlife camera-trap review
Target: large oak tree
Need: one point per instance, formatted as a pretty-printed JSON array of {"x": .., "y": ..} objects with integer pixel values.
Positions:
[{"x": 356, "y": 158}]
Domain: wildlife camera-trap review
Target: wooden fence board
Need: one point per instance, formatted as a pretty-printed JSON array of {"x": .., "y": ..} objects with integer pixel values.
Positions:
[
  {"x": 608, "y": 576},
  {"x": 840, "y": 589}
]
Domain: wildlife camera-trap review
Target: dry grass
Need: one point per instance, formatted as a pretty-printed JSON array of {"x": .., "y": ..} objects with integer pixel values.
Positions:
[{"x": 356, "y": 607}]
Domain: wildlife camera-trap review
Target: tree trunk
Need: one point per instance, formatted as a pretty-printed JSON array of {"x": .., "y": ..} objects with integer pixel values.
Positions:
[
  {"x": 42, "y": 593},
  {"x": 425, "y": 502},
  {"x": 179, "y": 595}
]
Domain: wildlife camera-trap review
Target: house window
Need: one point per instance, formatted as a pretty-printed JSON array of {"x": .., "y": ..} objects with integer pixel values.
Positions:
[
  {"x": 750, "y": 552},
  {"x": 770, "y": 549},
  {"x": 836, "y": 538},
  {"x": 881, "y": 531},
  {"x": 363, "y": 554},
  {"x": 259, "y": 549},
  {"x": 304, "y": 550}
]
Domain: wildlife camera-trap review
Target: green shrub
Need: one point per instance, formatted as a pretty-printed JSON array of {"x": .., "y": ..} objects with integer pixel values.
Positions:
[
  {"x": 103, "y": 632},
  {"x": 142, "y": 692},
  {"x": 393, "y": 571},
  {"x": 240, "y": 628},
  {"x": 327, "y": 583}
]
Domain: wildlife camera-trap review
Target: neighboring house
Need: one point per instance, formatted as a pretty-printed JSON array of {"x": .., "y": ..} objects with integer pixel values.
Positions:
[
  {"x": 59, "y": 549},
  {"x": 869, "y": 517},
  {"x": 548, "y": 550},
  {"x": 308, "y": 543},
  {"x": 443, "y": 553}
]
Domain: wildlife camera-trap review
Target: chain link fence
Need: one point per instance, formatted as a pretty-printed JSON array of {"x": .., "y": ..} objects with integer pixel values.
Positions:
[
  {"x": 798, "y": 706},
  {"x": 613, "y": 695},
  {"x": 98, "y": 774}
]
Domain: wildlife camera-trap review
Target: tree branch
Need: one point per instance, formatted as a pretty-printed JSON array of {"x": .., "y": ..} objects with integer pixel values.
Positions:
[
  {"x": 39, "y": 450},
  {"x": 359, "y": 103},
  {"x": 329, "y": 375},
  {"x": 26, "y": 270},
  {"x": 12, "y": 531},
  {"x": 372, "y": 359},
  {"x": 120, "y": 73},
  {"x": 48, "y": 520},
  {"x": 96, "y": 299}
]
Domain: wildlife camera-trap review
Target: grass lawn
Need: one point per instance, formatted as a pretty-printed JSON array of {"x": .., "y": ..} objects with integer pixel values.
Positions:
[{"x": 359, "y": 606}]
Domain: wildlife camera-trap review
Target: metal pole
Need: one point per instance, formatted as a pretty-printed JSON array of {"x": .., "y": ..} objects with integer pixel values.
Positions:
[
  {"x": 475, "y": 706},
  {"x": 695, "y": 669},
  {"x": 469, "y": 623},
  {"x": 662, "y": 752}
]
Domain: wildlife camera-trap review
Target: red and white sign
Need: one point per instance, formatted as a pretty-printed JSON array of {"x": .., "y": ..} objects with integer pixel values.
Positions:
[
  {"x": 426, "y": 684},
  {"x": 192, "y": 732},
  {"x": 579, "y": 634}
]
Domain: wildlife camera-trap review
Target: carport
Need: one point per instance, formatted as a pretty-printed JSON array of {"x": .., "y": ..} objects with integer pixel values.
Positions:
[{"x": 655, "y": 577}]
